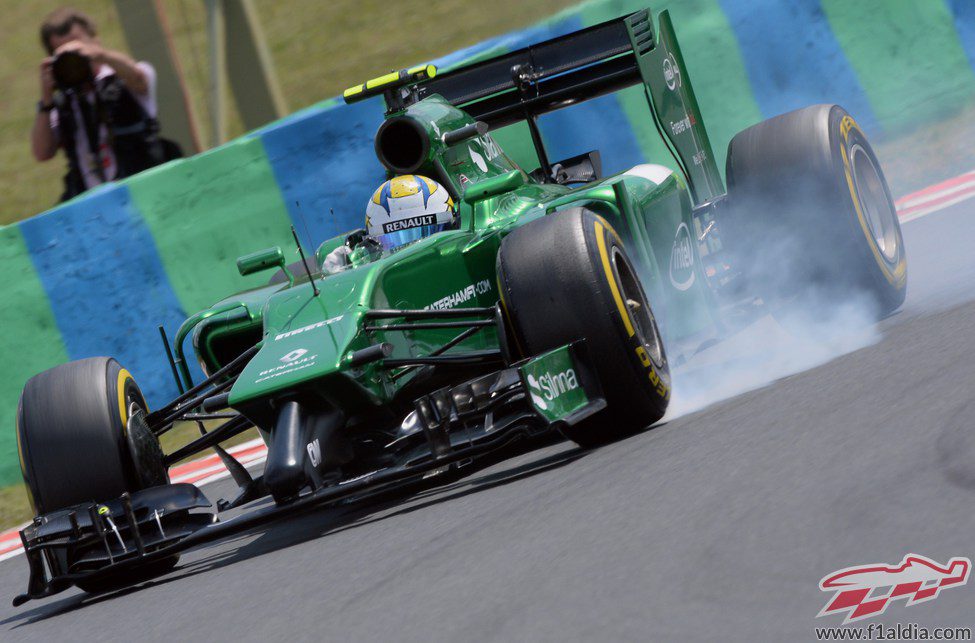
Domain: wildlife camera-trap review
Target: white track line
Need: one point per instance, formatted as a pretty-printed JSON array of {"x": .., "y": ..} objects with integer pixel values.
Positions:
[{"x": 936, "y": 197}]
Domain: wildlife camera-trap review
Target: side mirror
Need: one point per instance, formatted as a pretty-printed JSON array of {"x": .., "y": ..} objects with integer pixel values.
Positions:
[
  {"x": 583, "y": 168},
  {"x": 264, "y": 260}
]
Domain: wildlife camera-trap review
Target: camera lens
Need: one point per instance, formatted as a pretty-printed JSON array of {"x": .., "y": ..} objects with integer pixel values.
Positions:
[{"x": 71, "y": 70}]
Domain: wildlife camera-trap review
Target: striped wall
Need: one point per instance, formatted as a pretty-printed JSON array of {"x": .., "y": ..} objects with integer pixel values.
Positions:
[{"x": 97, "y": 275}]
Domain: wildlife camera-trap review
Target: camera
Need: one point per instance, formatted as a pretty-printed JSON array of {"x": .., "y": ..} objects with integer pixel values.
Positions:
[{"x": 71, "y": 70}]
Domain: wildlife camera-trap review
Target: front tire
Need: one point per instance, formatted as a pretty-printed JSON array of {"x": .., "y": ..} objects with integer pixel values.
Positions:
[
  {"x": 73, "y": 433},
  {"x": 82, "y": 438},
  {"x": 812, "y": 224},
  {"x": 567, "y": 277}
]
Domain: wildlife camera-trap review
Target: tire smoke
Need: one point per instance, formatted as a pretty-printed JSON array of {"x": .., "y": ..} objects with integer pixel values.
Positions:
[{"x": 767, "y": 350}]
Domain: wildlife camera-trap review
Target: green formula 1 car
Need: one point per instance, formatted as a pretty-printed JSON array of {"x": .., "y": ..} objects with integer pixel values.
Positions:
[{"x": 537, "y": 313}]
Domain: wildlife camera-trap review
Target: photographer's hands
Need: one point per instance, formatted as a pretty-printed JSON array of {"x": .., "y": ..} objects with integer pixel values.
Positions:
[
  {"x": 130, "y": 74},
  {"x": 43, "y": 142},
  {"x": 47, "y": 81},
  {"x": 89, "y": 49}
]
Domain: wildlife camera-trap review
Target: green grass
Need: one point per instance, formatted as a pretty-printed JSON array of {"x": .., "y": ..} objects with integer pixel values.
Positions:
[
  {"x": 319, "y": 49},
  {"x": 14, "y": 508}
]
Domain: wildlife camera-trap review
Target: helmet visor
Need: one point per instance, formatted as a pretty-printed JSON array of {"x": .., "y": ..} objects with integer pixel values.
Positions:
[{"x": 398, "y": 239}]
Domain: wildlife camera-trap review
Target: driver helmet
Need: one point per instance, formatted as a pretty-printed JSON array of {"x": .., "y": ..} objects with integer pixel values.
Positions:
[{"x": 407, "y": 208}]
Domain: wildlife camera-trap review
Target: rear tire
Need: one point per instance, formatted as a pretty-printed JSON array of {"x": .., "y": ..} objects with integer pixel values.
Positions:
[
  {"x": 566, "y": 277},
  {"x": 812, "y": 223}
]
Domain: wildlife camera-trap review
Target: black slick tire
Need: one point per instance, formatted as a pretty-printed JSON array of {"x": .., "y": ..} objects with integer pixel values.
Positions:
[
  {"x": 566, "y": 277},
  {"x": 812, "y": 222}
]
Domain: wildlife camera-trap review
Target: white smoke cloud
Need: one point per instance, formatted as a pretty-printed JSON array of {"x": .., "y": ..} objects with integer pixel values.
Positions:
[{"x": 813, "y": 333}]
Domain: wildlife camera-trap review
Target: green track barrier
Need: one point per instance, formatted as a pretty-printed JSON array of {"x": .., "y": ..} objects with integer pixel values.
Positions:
[
  {"x": 907, "y": 57},
  {"x": 206, "y": 211},
  {"x": 30, "y": 341}
]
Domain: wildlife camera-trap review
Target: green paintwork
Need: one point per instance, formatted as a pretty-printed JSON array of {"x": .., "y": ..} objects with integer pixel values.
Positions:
[
  {"x": 329, "y": 245},
  {"x": 711, "y": 50},
  {"x": 263, "y": 260},
  {"x": 553, "y": 384},
  {"x": 669, "y": 88},
  {"x": 447, "y": 270},
  {"x": 308, "y": 341},
  {"x": 241, "y": 318}
]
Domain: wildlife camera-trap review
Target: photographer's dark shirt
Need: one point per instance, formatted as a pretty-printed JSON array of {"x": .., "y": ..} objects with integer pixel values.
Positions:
[{"x": 106, "y": 157}]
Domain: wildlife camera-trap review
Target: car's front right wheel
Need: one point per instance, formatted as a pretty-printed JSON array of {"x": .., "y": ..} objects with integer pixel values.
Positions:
[{"x": 566, "y": 277}]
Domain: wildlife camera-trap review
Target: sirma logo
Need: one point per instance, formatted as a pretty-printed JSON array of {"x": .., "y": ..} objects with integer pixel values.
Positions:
[
  {"x": 549, "y": 386},
  {"x": 682, "y": 259}
]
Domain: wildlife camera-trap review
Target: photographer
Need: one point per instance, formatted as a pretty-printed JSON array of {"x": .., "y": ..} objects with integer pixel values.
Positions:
[{"x": 97, "y": 104}]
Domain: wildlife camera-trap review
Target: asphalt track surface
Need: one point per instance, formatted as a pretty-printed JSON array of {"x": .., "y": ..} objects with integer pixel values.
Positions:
[{"x": 716, "y": 525}]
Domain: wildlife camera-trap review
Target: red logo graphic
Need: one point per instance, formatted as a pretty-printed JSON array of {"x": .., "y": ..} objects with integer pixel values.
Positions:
[{"x": 866, "y": 590}]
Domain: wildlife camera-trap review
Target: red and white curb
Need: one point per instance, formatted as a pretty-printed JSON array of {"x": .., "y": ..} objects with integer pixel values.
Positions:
[
  {"x": 198, "y": 472},
  {"x": 936, "y": 197},
  {"x": 208, "y": 469}
]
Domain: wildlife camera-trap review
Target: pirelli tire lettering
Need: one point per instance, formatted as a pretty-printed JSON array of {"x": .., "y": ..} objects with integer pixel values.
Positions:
[
  {"x": 893, "y": 265},
  {"x": 659, "y": 384},
  {"x": 661, "y": 387}
]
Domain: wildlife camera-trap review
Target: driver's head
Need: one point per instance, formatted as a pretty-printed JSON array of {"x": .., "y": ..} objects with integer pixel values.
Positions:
[{"x": 407, "y": 208}]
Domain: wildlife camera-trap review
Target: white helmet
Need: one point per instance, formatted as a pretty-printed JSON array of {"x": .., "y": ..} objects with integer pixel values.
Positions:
[{"x": 407, "y": 208}]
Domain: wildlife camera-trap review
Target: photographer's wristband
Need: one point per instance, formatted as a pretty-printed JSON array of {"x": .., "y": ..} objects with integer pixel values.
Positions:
[{"x": 42, "y": 108}]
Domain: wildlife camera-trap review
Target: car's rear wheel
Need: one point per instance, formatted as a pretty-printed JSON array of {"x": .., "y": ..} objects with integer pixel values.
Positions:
[
  {"x": 812, "y": 224},
  {"x": 566, "y": 277}
]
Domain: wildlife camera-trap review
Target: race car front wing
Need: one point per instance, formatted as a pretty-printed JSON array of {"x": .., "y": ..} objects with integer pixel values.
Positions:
[{"x": 93, "y": 542}]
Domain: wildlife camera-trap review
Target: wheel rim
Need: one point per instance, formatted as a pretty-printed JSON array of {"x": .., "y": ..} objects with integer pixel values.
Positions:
[
  {"x": 644, "y": 324},
  {"x": 877, "y": 208},
  {"x": 133, "y": 400}
]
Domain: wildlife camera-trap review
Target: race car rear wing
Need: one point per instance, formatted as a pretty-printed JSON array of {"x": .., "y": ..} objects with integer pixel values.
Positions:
[{"x": 604, "y": 58}]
